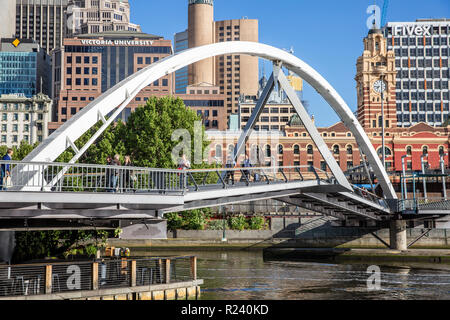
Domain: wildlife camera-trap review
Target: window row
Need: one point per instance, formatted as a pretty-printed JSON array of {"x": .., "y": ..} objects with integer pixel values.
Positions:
[
  {"x": 85, "y": 81},
  {"x": 407, "y": 95},
  {"x": 421, "y": 117},
  {"x": 85, "y": 59},
  {"x": 422, "y": 106}
]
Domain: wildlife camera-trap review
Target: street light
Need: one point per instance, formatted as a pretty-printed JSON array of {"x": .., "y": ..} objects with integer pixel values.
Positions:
[
  {"x": 444, "y": 187},
  {"x": 404, "y": 176},
  {"x": 423, "y": 178}
]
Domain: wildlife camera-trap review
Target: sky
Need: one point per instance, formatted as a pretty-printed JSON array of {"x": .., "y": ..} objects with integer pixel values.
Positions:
[{"x": 326, "y": 34}]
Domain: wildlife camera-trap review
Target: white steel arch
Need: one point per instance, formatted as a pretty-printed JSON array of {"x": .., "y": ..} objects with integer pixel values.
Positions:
[{"x": 116, "y": 98}]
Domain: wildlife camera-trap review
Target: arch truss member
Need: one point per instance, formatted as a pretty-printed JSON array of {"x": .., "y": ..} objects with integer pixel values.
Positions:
[{"x": 118, "y": 97}]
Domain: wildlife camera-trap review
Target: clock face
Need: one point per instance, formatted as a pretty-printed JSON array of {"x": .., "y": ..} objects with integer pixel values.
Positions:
[{"x": 379, "y": 86}]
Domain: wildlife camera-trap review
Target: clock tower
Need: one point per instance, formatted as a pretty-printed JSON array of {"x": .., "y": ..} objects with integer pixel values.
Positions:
[{"x": 375, "y": 82}]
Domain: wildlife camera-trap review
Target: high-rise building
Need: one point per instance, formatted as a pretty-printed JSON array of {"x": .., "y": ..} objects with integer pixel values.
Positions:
[
  {"x": 24, "y": 69},
  {"x": 422, "y": 54},
  {"x": 88, "y": 65},
  {"x": 93, "y": 16},
  {"x": 236, "y": 75},
  {"x": 201, "y": 32},
  {"x": 181, "y": 76},
  {"x": 41, "y": 20},
  {"x": 24, "y": 119},
  {"x": 8, "y": 18}
]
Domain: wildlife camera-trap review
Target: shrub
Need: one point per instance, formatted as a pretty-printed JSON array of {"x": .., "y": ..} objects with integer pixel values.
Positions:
[
  {"x": 216, "y": 225},
  {"x": 257, "y": 223},
  {"x": 174, "y": 221},
  {"x": 238, "y": 222}
]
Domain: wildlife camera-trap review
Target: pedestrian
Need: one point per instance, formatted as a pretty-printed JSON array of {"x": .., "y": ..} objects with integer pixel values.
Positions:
[
  {"x": 5, "y": 174},
  {"x": 108, "y": 174},
  {"x": 129, "y": 176},
  {"x": 183, "y": 164},
  {"x": 247, "y": 164},
  {"x": 231, "y": 164},
  {"x": 115, "y": 174}
]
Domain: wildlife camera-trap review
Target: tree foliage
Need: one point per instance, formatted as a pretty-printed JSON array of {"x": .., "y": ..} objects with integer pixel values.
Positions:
[{"x": 147, "y": 138}]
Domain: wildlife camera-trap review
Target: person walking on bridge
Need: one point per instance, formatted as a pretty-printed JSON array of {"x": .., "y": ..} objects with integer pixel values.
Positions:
[
  {"x": 246, "y": 164},
  {"x": 231, "y": 164},
  {"x": 184, "y": 164},
  {"x": 5, "y": 174}
]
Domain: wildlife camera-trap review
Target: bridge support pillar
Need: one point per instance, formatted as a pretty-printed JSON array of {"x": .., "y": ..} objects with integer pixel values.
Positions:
[{"x": 397, "y": 232}]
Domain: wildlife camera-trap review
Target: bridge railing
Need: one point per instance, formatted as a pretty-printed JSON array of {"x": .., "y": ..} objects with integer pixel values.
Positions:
[
  {"x": 228, "y": 177},
  {"x": 438, "y": 203},
  {"x": 64, "y": 177},
  {"x": 41, "y": 279},
  {"x": 369, "y": 196}
]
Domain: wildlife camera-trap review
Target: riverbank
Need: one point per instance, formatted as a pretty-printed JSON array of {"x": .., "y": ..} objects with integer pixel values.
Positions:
[{"x": 288, "y": 249}]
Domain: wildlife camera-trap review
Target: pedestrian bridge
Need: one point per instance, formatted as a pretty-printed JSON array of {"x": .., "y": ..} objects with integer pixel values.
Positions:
[{"x": 97, "y": 192}]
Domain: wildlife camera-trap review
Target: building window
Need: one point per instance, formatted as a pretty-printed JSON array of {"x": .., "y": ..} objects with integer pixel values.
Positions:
[
  {"x": 409, "y": 151},
  {"x": 349, "y": 149},
  {"x": 309, "y": 149},
  {"x": 296, "y": 149},
  {"x": 268, "y": 151},
  {"x": 280, "y": 149},
  {"x": 425, "y": 150},
  {"x": 336, "y": 149}
]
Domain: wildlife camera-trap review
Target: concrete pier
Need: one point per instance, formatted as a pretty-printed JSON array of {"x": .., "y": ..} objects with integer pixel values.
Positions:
[{"x": 397, "y": 233}]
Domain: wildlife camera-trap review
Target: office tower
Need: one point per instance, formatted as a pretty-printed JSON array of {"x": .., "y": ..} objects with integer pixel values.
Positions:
[
  {"x": 41, "y": 20},
  {"x": 24, "y": 69},
  {"x": 181, "y": 76},
  {"x": 235, "y": 75},
  {"x": 422, "y": 53},
  {"x": 8, "y": 18},
  {"x": 93, "y": 16},
  {"x": 88, "y": 65}
]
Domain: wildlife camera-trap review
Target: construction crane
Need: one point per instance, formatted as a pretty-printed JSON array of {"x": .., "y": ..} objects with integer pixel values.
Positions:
[{"x": 384, "y": 13}]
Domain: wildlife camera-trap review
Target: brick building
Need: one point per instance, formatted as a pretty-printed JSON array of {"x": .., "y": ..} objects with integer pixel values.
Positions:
[{"x": 295, "y": 147}]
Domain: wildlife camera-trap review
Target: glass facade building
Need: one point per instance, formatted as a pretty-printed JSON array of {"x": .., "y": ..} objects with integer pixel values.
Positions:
[
  {"x": 422, "y": 60},
  {"x": 181, "y": 76},
  {"x": 18, "y": 73},
  {"x": 88, "y": 65}
]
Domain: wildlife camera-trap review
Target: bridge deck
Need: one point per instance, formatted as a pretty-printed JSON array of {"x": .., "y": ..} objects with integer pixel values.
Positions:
[{"x": 77, "y": 191}]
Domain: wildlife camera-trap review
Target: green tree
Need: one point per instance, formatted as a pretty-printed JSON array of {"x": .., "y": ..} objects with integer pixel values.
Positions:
[{"x": 147, "y": 135}]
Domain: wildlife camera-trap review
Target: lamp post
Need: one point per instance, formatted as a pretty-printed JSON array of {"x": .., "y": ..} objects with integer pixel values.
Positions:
[
  {"x": 404, "y": 177},
  {"x": 444, "y": 187},
  {"x": 423, "y": 178}
]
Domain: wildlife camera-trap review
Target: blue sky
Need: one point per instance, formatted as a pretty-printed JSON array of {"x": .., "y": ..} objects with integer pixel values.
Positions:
[{"x": 326, "y": 34}]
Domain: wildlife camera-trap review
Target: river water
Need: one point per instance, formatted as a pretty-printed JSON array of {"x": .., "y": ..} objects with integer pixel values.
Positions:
[{"x": 244, "y": 275}]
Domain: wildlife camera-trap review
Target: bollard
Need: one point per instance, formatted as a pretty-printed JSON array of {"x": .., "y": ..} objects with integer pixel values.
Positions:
[
  {"x": 167, "y": 270},
  {"x": 95, "y": 276},
  {"x": 133, "y": 274},
  {"x": 194, "y": 268},
  {"x": 48, "y": 279}
]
